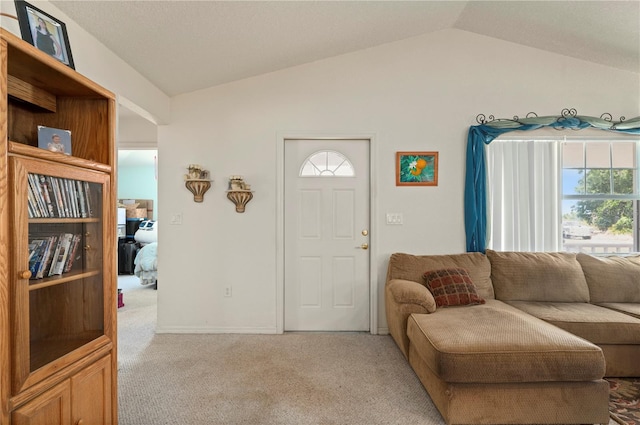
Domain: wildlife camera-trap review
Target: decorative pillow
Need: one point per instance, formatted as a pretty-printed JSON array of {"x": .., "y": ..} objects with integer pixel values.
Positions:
[{"x": 451, "y": 287}]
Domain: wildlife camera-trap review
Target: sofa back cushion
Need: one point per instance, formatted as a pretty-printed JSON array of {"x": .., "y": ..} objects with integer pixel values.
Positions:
[
  {"x": 413, "y": 267},
  {"x": 612, "y": 279},
  {"x": 537, "y": 276}
]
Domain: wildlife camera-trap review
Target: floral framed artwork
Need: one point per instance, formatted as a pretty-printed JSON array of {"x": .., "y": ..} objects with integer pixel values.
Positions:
[
  {"x": 416, "y": 168},
  {"x": 44, "y": 32}
]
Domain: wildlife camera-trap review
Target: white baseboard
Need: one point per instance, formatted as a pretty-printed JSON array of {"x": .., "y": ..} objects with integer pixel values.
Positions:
[{"x": 197, "y": 330}]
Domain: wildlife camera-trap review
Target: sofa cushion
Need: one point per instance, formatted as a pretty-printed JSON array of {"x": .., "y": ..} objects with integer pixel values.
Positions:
[
  {"x": 594, "y": 323},
  {"x": 451, "y": 287},
  {"x": 537, "y": 276},
  {"x": 612, "y": 279},
  {"x": 412, "y": 267},
  {"x": 627, "y": 308},
  {"x": 496, "y": 343}
]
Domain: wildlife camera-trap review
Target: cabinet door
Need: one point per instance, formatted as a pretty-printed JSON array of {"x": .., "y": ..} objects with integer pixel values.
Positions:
[
  {"x": 63, "y": 256},
  {"x": 50, "y": 408},
  {"x": 91, "y": 394}
]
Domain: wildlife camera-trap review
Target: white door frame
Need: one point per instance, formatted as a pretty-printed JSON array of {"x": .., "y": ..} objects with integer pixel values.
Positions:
[{"x": 373, "y": 271}]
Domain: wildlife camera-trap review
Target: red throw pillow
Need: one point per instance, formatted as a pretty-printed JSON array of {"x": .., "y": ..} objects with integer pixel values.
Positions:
[{"x": 451, "y": 287}]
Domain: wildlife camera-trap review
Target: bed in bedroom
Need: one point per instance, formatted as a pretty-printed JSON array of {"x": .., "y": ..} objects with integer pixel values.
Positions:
[{"x": 146, "y": 262}]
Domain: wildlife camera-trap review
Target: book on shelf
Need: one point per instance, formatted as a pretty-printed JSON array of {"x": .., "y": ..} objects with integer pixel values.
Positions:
[
  {"x": 58, "y": 197},
  {"x": 72, "y": 253},
  {"x": 47, "y": 258},
  {"x": 61, "y": 253},
  {"x": 53, "y": 255},
  {"x": 37, "y": 248}
]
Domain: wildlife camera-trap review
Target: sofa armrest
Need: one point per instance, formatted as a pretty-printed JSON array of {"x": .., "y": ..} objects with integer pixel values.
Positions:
[{"x": 410, "y": 292}]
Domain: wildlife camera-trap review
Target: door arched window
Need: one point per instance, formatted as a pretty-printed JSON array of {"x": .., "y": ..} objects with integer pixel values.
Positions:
[{"x": 327, "y": 163}]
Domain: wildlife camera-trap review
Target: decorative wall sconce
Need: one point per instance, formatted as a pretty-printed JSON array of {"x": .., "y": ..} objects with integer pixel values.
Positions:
[
  {"x": 197, "y": 181},
  {"x": 239, "y": 193}
]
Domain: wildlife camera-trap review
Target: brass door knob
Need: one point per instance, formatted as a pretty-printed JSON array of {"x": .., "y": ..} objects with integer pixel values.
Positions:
[
  {"x": 364, "y": 246},
  {"x": 26, "y": 274}
]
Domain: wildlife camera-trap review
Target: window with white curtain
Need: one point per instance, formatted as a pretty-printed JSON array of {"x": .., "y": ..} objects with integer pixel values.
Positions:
[
  {"x": 572, "y": 195},
  {"x": 523, "y": 182}
]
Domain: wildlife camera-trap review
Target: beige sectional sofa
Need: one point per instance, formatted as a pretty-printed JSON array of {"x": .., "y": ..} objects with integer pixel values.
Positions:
[{"x": 550, "y": 328}]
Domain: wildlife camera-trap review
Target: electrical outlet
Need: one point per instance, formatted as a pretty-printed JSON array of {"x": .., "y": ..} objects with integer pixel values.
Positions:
[{"x": 227, "y": 291}]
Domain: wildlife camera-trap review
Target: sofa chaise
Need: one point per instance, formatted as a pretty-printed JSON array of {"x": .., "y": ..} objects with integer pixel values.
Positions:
[{"x": 530, "y": 344}]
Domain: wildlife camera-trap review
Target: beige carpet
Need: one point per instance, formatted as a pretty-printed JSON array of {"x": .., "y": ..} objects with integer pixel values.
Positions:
[{"x": 295, "y": 378}]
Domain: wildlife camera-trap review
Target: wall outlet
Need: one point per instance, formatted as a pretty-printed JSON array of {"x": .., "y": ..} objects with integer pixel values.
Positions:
[{"x": 227, "y": 291}]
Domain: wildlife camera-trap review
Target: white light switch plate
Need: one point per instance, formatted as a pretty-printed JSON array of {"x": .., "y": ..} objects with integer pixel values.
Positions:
[
  {"x": 176, "y": 218},
  {"x": 394, "y": 218}
]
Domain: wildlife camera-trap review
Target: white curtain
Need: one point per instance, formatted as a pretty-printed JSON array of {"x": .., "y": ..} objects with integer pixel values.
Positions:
[{"x": 524, "y": 190}]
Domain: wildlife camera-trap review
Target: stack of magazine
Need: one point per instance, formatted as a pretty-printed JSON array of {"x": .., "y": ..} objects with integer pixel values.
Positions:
[
  {"x": 58, "y": 197},
  {"x": 53, "y": 255}
]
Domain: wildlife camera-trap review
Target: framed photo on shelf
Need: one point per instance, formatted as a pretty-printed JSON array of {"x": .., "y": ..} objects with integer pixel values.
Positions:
[
  {"x": 44, "y": 31},
  {"x": 416, "y": 168},
  {"x": 54, "y": 139}
]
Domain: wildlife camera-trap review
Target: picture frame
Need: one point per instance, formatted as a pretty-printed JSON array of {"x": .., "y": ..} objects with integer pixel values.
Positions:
[
  {"x": 45, "y": 32},
  {"x": 416, "y": 168},
  {"x": 54, "y": 139}
]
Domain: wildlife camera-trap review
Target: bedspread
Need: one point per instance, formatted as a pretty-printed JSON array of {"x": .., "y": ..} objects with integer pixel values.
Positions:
[{"x": 147, "y": 264}]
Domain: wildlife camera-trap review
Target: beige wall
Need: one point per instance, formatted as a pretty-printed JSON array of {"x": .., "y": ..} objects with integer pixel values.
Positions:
[{"x": 417, "y": 94}]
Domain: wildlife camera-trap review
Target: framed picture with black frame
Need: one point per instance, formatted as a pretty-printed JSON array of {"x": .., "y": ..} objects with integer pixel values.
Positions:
[{"x": 44, "y": 31}]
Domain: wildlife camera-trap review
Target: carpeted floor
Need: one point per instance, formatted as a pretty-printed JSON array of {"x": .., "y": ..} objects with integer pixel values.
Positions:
[{"x": 295, "y": 378}]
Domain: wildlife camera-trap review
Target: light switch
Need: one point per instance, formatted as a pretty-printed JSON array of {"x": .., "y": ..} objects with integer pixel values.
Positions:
[
  {"x": 176, "y": 218},
  {"x": 394, "y": 218}
]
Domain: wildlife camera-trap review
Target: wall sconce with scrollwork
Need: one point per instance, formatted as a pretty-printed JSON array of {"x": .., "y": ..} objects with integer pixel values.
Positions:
[
  {"x": 239, "y": 193},
  {"x": 197, "y": 181}
]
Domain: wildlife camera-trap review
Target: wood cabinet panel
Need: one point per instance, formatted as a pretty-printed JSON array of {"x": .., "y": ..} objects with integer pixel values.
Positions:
[
  {"x": 51, "y": 408},
  {"x": 58, "y": 330}
]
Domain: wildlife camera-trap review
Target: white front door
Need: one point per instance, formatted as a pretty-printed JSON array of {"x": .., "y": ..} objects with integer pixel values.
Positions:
[{"x": 326, "y": 215}]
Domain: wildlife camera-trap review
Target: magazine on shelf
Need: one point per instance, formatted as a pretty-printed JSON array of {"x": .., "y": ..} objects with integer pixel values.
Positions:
[{"x": 54, "y": 139}]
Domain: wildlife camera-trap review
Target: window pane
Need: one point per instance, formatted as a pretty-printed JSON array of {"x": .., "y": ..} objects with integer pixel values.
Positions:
[
  {"x": 597, "y": 226},
  {"x": 598, "y": 182},
  {"x": 623, "y": 182},
  {"x": 327, "y": 164},
  {"x": 573, "y": 155},
  {"x": 573, "y": 182},
  {"x": 598, "y": 155},
  {"x": 623, "y": 154}
]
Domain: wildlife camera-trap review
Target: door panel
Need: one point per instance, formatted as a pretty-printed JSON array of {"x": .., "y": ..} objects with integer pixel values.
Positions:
[{"x": 326, "y": 270}]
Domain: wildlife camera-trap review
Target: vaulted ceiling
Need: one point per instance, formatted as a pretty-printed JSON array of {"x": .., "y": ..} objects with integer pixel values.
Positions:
[{"x": 182, "y": 46}]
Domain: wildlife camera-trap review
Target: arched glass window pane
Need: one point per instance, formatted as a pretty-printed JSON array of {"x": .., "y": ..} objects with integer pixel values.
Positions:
[{"x": 327, "y": 164}]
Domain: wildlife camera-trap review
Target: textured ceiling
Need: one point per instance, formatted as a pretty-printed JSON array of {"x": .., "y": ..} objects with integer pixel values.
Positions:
[{"x": 182, "y": 46}]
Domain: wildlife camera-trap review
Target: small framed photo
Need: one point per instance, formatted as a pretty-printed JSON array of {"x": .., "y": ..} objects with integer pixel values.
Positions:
[
  {"x": 416, "y": 168},
  {"x": 54, "y": 139},
  {"x": 44, "y": 31}
]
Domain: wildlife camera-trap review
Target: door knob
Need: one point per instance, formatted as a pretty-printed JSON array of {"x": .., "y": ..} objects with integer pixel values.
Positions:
[
  {"x": 365, "y": 232},
  {"x": 364, "y": 246},
  {"x": 26, "y": 274}
]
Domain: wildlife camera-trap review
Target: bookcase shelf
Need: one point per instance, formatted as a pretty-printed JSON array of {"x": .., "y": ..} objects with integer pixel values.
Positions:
[
  {"x": 58, "y": 280},
  {"x": 57, "y": 213}
]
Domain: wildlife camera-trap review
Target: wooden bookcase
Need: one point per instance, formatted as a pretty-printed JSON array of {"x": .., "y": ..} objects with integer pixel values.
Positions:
[{"x": 58, "y": 362}]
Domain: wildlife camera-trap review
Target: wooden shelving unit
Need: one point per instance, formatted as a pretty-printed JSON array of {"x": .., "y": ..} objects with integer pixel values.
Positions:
[{"x": 57, "y": 333}]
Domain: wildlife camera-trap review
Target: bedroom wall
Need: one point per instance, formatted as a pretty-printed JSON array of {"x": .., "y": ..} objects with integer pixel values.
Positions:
[{"x": 418, "y": 94}]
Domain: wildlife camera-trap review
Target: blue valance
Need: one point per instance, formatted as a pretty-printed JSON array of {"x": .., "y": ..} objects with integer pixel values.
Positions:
[{"x": 475, "y": 196}]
